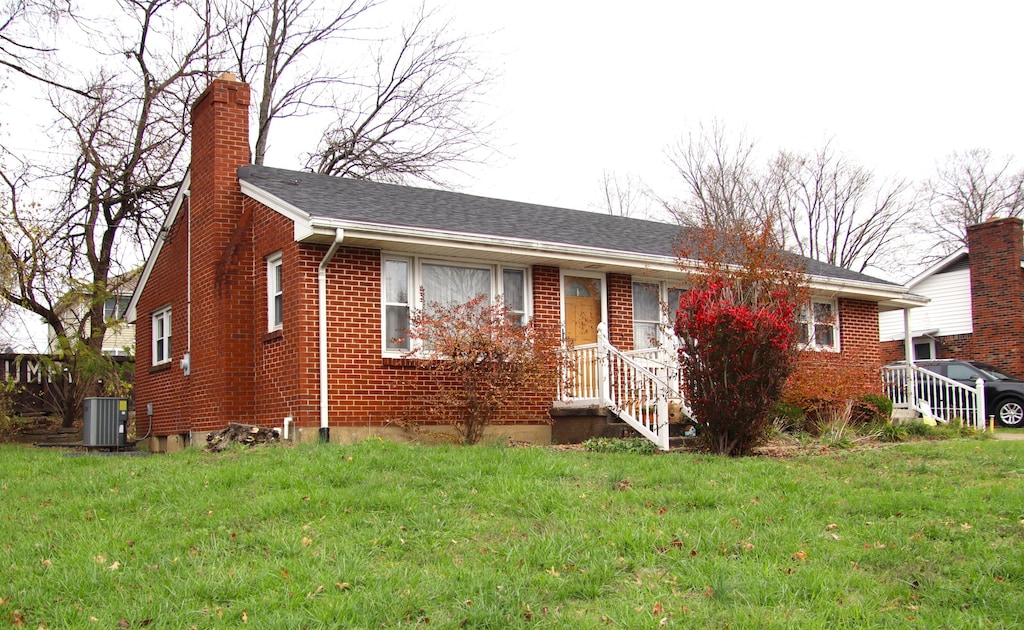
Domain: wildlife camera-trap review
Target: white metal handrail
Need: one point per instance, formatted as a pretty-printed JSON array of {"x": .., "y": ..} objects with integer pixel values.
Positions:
[
  {"x": 635, "y": 386},
  {"x": 914, "y": 388}
]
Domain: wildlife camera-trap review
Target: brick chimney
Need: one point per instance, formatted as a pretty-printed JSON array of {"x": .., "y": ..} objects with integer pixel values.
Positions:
[
  {"x": 997, "y": 292},
  {"x": 222, "y": 275}
]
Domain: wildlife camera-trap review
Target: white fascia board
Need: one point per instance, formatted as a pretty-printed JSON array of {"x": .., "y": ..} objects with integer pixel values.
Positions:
[
  {"x": 274, "y": 203},
  {"x": 930, "y": 271},
  {"x": 172, "y": 215},
  {"x": 891, "y": 296},
  {"x": 321, "y": 230},
  {"x": 493, "y": 244}
]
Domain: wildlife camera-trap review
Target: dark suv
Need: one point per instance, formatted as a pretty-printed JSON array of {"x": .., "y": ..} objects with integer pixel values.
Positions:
[{"x": 1004, "y": 394}]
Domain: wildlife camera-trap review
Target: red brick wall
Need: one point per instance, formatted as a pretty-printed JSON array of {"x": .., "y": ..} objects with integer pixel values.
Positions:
[
  {"x": 368, "y": 390},
  {"x": 858, "y": 340},
  {"x": 858, "y": 362},
  {"x": 620, "y": 311},
  {"x": 997, "y": 293},
  {"x": 286, "y": 366},
  {"x": 222, "y": 376},
  {"x": 222, "y": 382},
  {"x": 946, "y": 347},
  {"x": 164, "y": 386}
]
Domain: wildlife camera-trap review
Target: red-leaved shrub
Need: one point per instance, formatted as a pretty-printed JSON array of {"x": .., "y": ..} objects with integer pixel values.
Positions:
[
  {"x": 487, "y": 363},
  {"x": 738, "y": 337}
]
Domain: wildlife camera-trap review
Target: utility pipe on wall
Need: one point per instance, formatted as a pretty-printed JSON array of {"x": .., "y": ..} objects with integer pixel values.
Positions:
[{"x": 325, "y": 429}]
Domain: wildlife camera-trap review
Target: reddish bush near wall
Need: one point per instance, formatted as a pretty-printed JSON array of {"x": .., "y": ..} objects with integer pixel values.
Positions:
[
  {"x": 823, "y": 384},
  {"x": 486, "y": 361}
]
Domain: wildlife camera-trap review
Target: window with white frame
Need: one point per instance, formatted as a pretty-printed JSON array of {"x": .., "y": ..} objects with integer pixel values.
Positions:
[
  {"x": 397, "y": 278},
  {"x": 162, "y": 336},
  {"x": 654, "y": 319},
  {"x": 444, "y": 282},
  {"x": 275, "y": 294},
  {"x": 115, "y": 307},
  {"x": 646, "y": 315},
  {"x": 818, "y": 326},
  {"x": 513, "y": 290}
]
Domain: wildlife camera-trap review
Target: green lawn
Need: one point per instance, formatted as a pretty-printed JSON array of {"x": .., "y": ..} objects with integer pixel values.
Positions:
[{"x": 378, "y": 534}]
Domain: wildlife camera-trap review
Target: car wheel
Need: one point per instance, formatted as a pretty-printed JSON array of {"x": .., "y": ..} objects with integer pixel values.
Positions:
[{"x": 1010, "y": 413}]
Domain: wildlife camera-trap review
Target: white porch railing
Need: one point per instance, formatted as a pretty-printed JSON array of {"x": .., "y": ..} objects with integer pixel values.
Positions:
[
  {"x": 917, "y": 389},
  {"x": 635, "y": 386}
]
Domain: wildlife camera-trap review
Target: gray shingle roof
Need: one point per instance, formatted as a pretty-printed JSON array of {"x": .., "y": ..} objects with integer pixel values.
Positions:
[{"x": 389, "y": 204}]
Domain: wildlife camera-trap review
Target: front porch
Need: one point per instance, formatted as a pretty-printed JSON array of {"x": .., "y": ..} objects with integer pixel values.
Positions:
[{"x": 640, "y": 388}]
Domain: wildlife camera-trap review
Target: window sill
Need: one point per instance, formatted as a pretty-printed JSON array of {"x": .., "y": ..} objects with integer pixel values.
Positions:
[
  {"x": 402, "y": 362},
  {"x": 273, "y": 335},
  {"x": 160, "y": 367},
  {"x": 803, "y": 348}
]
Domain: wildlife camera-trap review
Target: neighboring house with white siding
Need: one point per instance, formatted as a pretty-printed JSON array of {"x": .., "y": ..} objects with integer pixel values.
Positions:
[
  {"x": 976, "y": 308},
  {"x": 947, "y": 316}
]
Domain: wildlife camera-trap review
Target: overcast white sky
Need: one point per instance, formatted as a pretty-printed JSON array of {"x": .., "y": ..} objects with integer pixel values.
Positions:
[
  {"x": 592, "y": 86},
  {"x": 600, "y": 85}
]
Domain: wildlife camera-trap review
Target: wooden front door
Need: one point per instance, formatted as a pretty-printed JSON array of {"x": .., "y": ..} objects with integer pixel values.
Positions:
[{"x": 582, "y": 309}]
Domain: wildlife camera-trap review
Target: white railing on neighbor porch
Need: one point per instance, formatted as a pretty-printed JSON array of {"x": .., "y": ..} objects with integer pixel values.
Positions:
[
  {"x": 636, "y": 388},
  {"x": 917, "y": 389}
]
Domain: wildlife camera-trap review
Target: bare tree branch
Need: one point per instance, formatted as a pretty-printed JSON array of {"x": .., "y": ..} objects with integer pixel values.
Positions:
[
  {"x": 821, "y": 205},
  {"x": 273, "y": 45},
  {"x": 624, "y": 196},
  {"x": 833, "y": 211},
  {"x": 21, "y": 22},
  {"x": 70, "y": 224},
  {"x": 414, "y": 116},
  {"x": 971, "y": 187}
]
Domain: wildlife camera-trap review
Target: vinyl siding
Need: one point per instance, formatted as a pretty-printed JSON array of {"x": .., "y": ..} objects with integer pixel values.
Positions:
[{"x": 948, "y": 313}]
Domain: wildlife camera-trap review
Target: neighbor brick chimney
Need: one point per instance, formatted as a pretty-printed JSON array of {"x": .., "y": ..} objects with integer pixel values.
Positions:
[
  {"x": 222, "y": 348},
  {"x": 997, "y": 292}
]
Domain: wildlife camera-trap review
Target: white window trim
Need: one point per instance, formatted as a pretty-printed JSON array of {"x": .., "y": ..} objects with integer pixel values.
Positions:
[
  {"x": 416, "y": 281},
  {"x": 806, "y": 315},
  {"x": 666, "y": 325},
  {"x": 273, "y": 290},
  {"x": 922, "y": 341},
  {"x": 163, "y": 313}
]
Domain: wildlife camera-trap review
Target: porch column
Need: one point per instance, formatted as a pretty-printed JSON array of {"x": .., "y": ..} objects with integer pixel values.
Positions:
[{"x": 908, "y": 337}]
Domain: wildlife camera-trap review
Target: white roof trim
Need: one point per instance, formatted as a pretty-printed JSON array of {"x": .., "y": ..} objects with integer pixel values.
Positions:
[
  {"x": 309, "y": 229},
  {"x": 273, "y": 202},
  {"x": 165, "y": 227},
  {"x": 930, "y": 271},
  {"x": 895, "y": 296}
]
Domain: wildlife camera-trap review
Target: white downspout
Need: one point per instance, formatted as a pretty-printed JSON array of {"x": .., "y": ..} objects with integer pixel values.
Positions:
[{"x": 325, "y": 429}]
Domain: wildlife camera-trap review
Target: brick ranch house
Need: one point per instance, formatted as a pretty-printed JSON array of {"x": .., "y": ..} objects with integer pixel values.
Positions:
[
  {"x": 976, "y": 310},
  {"x": 286, "y": 292}
]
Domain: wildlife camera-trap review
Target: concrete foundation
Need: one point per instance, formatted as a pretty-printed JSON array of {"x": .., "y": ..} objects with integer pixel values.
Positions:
[{"x": 530, "y": 433}]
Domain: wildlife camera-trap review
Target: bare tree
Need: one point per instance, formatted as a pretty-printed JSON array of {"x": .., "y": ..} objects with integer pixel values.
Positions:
[
  {"x": 68, "y": 226},
  {"x": 624, "y": 196},
  {"x": 832, "y": 209},
  {"x": 724, "y": 188},
  {"x": 820, "y": 205},
  {"x": 22, "y": 47},
  {"x": 971, "y": 187},
  {"x": 274, "y": 45},
  {"x": 413, "y": 115}
]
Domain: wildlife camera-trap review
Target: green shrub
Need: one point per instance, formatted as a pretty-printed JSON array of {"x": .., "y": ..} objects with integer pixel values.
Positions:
[
  {"x": 871, "y": 408},
  {"x": 637, "y": 446}
]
